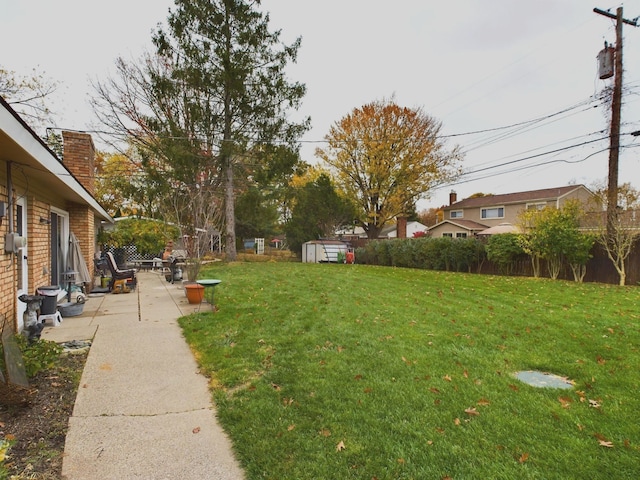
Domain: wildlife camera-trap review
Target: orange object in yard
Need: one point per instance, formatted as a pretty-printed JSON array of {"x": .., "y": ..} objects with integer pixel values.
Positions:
[{"x": 351, "y": 257}]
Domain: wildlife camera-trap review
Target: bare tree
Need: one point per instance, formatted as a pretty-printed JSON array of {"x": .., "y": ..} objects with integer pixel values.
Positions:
[
  {"x": 619, "y": 236},
  {"x": 30, "y": 96}
]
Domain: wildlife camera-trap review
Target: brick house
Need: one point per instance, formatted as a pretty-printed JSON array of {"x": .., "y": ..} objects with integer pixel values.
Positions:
[
  {"x": 42, "y": 201},
  {"x": 473, "y": 215}
]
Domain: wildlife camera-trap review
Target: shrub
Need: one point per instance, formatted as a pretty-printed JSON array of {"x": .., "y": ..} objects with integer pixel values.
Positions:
[{"x": 37, "y": 356}]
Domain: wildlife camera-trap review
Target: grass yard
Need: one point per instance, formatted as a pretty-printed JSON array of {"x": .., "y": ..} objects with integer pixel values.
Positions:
[{"x": 353, "y": 371}]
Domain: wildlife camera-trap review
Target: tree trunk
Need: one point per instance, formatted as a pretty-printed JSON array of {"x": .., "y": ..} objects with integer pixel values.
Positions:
[{"x": 230, "y": 216}]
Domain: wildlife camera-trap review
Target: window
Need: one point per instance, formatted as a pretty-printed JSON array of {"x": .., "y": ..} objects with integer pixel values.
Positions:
[
  {"x": 461, "y": 235},
  {"x": 456, "y": 214},
  {"x": 494, "y": 212},
  {"x": 536, "y": 206},
  {"x": 450, "y": 235}
]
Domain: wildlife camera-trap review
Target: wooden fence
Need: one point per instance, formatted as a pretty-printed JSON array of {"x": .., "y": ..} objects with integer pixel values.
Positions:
[{"x": 599, "y": 269}]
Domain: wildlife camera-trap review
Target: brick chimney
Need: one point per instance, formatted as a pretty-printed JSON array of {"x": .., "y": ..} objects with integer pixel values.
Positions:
[
  {"x": 401, "y": 227},
  {"x": 80, "y": 157},
  {"x": 453, "y": 197}
]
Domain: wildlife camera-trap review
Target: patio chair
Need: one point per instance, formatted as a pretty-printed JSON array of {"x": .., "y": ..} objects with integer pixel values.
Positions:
[{"x": 118, "y": 274}]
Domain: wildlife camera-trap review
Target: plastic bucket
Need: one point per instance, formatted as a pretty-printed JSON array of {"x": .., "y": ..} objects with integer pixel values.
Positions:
[{"x": 50, "y": 301}]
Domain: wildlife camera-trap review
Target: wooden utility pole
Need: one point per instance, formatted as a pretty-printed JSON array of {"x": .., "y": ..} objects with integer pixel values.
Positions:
[{"x": 616, "y": 107}]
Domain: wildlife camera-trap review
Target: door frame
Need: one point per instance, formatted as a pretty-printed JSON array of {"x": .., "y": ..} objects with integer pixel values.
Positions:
[{"x": 21, "y": 256}]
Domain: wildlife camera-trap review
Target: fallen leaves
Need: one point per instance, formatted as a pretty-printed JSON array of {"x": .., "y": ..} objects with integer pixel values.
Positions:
[
  {"x": 603, "y": 441},
  {"x": 341, "y": 446},
  {"x": 565, "y": 402}
]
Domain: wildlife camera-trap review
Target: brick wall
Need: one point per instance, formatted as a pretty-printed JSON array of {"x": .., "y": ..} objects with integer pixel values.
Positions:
[
  {"x": 7, "y": 271},
  {"x": 39, "y": 235},
  {"x": 79, "y": 157},
  {"x": 82, "y": 224}
]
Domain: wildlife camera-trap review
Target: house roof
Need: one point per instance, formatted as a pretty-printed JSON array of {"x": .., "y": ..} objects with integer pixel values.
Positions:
[
  {"x": 547, "y": 194},
  {"x": 469, "y": 225},
  {"x": 505, "y": 227},
  {"x": 20, "y": 144}
]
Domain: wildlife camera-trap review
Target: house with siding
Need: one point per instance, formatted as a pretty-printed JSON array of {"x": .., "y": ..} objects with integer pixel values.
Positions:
[
  {"x": 43, "y": 200},
  {"x": 474, "y": 215}
]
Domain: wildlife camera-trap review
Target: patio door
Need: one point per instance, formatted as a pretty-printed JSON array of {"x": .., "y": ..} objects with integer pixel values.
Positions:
[
  {"x": 21, "y": 261},
  {"x": 59, "y": 245}
]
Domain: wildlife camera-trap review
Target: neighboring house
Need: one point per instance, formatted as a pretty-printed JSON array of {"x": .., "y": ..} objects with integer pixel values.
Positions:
[
  {"x": 401, "y": 229},
  {"x": 391, "y": 231},
  {"x": 473, "y": 215},
  {"x": 42, "y": 201}
]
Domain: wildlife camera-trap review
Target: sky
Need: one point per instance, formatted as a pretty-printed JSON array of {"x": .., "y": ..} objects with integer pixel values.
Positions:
[{"x": 474, "y": 66}]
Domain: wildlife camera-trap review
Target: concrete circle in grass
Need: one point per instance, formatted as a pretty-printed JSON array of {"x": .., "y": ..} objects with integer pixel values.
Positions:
[{"x": 543, "y": 379}]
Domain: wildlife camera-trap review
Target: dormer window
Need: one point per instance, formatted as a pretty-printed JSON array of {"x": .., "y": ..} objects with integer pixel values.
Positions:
[{"x": 456, "y": 214}]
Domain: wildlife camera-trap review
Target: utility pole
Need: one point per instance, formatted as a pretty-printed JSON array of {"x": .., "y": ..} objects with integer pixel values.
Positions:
[{"x": 616, "y": 107}]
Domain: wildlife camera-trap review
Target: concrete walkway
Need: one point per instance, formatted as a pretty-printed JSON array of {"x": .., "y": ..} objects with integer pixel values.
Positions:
[{"x": 142, "y": 410}]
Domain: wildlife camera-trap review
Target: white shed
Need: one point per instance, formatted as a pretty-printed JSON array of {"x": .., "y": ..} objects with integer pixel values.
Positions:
[{"x": 317, "y": 251}]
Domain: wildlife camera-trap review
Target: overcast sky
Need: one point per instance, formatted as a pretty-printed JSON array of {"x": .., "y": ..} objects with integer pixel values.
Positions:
[{"x": 472, "y": 65}]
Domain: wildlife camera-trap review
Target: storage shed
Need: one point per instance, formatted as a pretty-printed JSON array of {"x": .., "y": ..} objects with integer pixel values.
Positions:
[{"x": 319, "y": 251}]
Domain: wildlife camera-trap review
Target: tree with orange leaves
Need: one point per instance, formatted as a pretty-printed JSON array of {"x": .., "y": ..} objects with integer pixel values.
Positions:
[{"x": 385, "y": 157}]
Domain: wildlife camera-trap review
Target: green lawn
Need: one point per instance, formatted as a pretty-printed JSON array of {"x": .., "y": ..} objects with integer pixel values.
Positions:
[{"x": 351, "y": 371}]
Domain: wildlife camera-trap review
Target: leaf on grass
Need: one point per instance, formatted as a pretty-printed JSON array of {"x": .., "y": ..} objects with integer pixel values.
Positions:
[
  {"x": 565, "y": 402},
  {"x": 358, "y": 377},
  {"x": 276, "y": 387},
  {"x": 401, "y": 461},
  {"x": 291, "y": 427},
  {"x": 440, "y": 430},
  {"x": 447, "y": 378},
  {"x": 600, "y": 360},
  {"x": 325, "y": 432},
  {"x": 471, "y": 411},
  {"x": 434, "y": 390},
  {"x": 465, "y": 374},
  {"x": 514, "y": 388},
  {"x": 605, "y": 443},
  {"x": 523, "y": 458},
  {"x": 483, "y": 402},
  {"x": 594, "y": 404},
  {"x": 340, "y": 446},
  {"x": 456, "y": 422}
]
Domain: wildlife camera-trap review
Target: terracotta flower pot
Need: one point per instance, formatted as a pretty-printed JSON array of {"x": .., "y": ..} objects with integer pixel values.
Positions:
[{"x": 195, "y": 292}]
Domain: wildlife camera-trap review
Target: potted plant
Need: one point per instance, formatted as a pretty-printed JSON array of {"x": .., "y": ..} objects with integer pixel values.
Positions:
[{"x": 195, "y": 292}]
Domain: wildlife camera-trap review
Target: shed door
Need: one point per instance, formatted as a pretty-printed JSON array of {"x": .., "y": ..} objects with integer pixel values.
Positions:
[{"x": 311, "y": 253}]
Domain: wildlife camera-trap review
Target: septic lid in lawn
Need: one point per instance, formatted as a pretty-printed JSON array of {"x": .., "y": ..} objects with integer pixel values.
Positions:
[{"x": 543, "y": 379}]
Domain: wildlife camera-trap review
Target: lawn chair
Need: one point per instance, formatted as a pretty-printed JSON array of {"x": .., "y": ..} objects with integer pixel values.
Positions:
[{"x": 119, "y": 275}]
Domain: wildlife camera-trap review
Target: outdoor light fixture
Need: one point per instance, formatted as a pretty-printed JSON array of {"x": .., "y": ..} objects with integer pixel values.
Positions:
[{"x": 45, "y": 221}]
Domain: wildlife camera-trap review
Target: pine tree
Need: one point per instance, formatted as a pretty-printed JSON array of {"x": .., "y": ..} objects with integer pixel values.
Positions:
[{"x": 227, "y": 73}]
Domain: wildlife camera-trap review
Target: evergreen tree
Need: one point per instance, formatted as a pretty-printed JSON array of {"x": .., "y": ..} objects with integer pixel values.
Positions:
[{"x": 227, "y": 71}]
